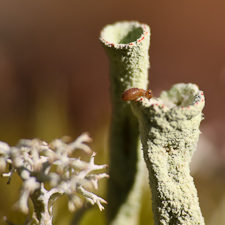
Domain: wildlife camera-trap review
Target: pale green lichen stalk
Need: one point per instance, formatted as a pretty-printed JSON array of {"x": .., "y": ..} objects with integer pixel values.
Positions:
[
  {"x": 169, "y": 131},
  {"x": 127, "y": 45}
]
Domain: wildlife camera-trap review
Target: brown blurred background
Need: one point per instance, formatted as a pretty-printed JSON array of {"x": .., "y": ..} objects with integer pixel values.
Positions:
[{"x": 54, "y": 74}]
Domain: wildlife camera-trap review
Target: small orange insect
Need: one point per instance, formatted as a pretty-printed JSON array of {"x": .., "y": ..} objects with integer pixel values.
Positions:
[{"x": 134, "y": 93}]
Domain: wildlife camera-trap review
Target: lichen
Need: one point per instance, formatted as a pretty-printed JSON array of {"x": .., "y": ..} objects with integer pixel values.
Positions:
[
  {"x": 126, "y": 44},
  {"x": 38, "y": 163},
  {"x": 169, "y": 131}
]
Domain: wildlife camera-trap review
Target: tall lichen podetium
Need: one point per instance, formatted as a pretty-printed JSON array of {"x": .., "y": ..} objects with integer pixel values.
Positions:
[
  {"x": 169, "y": 130},
  {"x": 127, "y": 45}
]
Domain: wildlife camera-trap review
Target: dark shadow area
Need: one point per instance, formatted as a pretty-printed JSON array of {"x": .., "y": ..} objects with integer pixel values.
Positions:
[{"x": 132, "y": 36}]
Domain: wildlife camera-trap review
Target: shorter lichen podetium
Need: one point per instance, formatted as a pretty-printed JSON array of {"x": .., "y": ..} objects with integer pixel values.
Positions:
[
  {"x": 38, "y": 162},
  {"x": 169, "y": 131}
]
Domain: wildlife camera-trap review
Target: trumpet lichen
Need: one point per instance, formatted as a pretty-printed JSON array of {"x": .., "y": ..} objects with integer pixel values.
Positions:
[
  {"x": 169, "y": 131},
  {"x": 126, "y": 44}
]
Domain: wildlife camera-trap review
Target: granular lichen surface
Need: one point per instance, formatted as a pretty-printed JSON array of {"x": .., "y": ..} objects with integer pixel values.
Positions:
[{"x": 169, "y": 131}]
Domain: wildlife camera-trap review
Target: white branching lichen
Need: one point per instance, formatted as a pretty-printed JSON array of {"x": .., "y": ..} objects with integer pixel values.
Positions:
[{"x": 38, "y": 162}]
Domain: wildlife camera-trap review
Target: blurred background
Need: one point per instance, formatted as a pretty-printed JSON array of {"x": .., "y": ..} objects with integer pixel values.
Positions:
[{"x": 54, "y": 81}]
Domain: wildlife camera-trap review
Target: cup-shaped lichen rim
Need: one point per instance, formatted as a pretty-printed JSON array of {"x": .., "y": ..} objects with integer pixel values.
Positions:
[
  {"x": 186, "y": 99},
  {"x": 124, "y": 34}
]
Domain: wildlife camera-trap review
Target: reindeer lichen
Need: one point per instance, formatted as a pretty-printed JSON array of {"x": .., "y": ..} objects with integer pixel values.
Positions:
[{"x": 38, "y": 162}]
